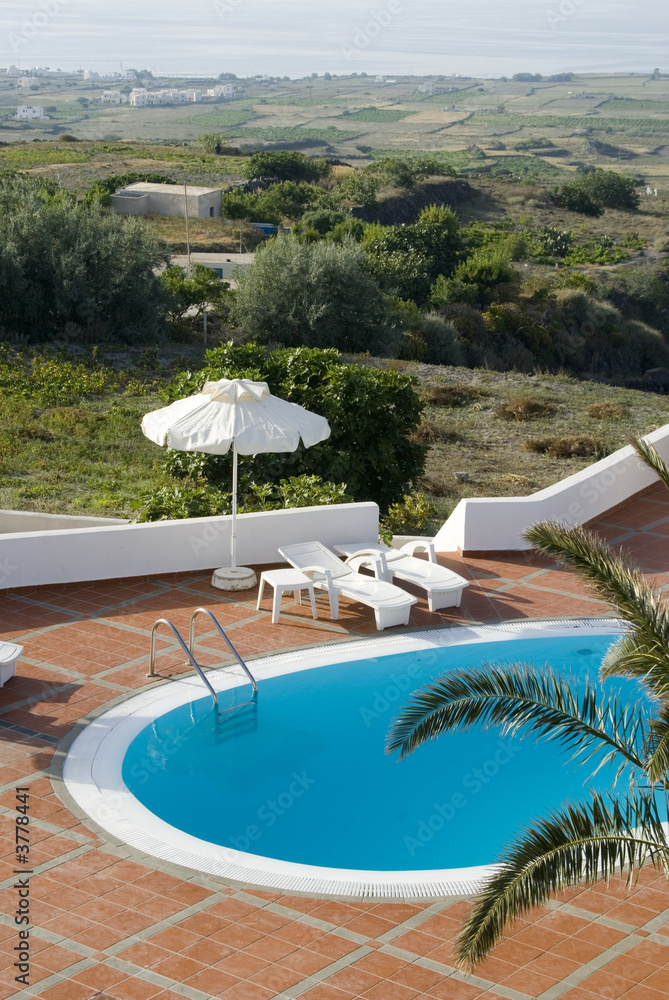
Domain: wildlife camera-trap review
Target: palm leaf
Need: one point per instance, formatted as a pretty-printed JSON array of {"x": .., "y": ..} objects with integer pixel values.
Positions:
[
  {"x": 521, "y": 697},
  {"x": 621, "y": 586},
  {"x": 650, "y": 456},
  {"x": 656, "y": 748},
  {"x": 578, "y": 843}
]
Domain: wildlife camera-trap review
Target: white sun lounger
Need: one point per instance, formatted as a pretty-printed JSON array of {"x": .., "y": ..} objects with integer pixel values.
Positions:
[
  {"x": 391, "y": 605},
  {"x": 443, "y": 587}
]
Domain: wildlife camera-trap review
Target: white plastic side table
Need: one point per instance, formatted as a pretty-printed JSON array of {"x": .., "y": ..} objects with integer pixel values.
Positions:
[
  {"x": 282, "y": 580},
  {"x": 9, "y": 654}
]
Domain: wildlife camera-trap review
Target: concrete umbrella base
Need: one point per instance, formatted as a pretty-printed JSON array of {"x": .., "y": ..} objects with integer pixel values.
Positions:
[{"x": 239, "y": 578}]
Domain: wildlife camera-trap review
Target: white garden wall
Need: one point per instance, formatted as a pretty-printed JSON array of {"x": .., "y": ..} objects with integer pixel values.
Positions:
[
  {"x": 28, "y": 520},
  {"x": 497, "y": 523},
  {"x": 30, "y": 559}
]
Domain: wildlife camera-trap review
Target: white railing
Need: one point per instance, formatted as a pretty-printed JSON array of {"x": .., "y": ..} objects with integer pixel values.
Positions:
[{"x": 496, "y": 524}]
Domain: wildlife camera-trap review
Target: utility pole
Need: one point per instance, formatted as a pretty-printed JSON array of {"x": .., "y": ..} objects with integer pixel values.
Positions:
[{"x": 187, "y": 233}]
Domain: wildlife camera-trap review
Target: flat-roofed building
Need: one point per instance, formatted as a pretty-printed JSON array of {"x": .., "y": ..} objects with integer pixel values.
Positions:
[{"x": 144, "y": 198}]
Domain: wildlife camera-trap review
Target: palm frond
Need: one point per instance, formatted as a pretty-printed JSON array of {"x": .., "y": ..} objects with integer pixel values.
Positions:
[
  {"x": 630, "y": 656},
  {"x": 522, "y": 697},
  {"x": 650, "y": 456},
  {"x": 621, "y": 586},
  {"x": 656, "y": 748},
  {"x": 581, "y": 842}
]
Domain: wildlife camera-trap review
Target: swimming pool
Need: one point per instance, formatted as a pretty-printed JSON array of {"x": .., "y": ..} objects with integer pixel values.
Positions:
[{"x": 301, "y": 796}]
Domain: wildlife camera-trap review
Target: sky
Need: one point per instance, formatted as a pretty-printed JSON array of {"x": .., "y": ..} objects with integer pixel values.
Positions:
[{"x": 298, "y": 37}]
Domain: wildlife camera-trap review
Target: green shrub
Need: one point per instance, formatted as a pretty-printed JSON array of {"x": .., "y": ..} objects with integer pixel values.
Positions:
[
  {"x": 372, "y": 413},
  {"x": 314, "y": 294},
  {"x": 289, "y": 166},
  {"x": 176, "y": 502},
  {"x": 408, "y": 517},
  {"x": 433, "y": 340}
]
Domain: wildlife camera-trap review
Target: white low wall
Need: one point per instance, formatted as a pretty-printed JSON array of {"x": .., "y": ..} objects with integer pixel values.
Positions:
[
  {"x": 497, "y": 523},
  {"x": 30, "y": 559},
  {"x": 27, "y": 520}
]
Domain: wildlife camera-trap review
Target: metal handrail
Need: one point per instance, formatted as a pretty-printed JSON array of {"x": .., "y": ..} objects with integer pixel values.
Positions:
[
  {"x": 205, "y": 611},
  {"x": 152, "y": 673}
]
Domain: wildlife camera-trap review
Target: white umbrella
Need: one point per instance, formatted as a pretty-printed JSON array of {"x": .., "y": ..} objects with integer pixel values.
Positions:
[{"x": 235, "y": 413}]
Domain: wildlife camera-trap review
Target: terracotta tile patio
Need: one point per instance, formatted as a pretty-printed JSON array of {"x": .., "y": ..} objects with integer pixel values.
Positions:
[{"x": 108, "y": 923}]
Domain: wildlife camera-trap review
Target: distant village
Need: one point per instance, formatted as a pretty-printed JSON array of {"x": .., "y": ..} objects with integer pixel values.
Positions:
[{"x": 137, "y": 97}]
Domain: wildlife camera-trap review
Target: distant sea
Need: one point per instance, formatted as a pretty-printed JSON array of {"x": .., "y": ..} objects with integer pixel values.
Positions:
[{"x": 298, "y": 37}]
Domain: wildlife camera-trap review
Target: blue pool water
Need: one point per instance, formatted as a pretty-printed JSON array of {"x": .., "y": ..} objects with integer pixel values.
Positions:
[{"x": 312, "y": 784}]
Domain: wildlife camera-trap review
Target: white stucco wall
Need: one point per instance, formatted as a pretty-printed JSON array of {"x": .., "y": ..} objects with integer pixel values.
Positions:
[
  {"x": 113, "y": 551},
  {"x": 497, "y": 523},
  {"x": 12, "y": 521}
]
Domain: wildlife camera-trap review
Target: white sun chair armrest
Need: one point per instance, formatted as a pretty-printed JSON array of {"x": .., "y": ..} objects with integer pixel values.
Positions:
[
  {"x": 318, "y": 573},
  {"x": 371, "y": 559},
  {"x": 411, "y": 548}
]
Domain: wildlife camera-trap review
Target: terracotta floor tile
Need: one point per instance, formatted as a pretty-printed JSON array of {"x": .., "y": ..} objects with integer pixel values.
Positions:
[{"x": 605, "y": 985}]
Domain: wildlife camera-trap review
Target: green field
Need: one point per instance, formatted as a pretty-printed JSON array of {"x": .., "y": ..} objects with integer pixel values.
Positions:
[{"x": 376, "y": 115}]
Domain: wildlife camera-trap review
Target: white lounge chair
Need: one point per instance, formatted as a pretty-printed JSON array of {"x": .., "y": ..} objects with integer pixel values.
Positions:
[
  {"x": 443, "y": 587},
  {"x": 391, "y": 605}
]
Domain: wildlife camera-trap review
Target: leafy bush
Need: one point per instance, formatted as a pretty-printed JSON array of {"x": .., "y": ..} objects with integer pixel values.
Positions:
[
  {"x": 486, "y": 276},
  {"x": 193, "y": 295},
  {"x": 371, "y": 412},
  {"x": 68, "y": 268},
  {"x": 287, "y": 165},
  {"x": 406, "y": 518},
  {"x": 575, "y": 198},
  {"x": 523, "y": 408},
  {"x": 434, "y": 341},
  {"x": 406, "y": 260},
  {"x": 176, "y": 502},
  {"x": 287, "y": 200},
  {"x": 556, "y": 242},
  {"x": 314, "y": 294},
  {"x": 51, "y": 382},
  {"x": 593, "y": 192}
]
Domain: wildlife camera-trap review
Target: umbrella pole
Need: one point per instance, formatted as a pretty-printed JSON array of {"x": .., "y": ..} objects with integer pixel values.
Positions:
[{"x": 233, "y": 533}]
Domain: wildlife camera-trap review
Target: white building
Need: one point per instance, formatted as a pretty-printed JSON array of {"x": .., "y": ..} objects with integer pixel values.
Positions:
[
  {"x": 28, "y": 81},
  {"x": 139, "y": 97},
  {"x": 25, "y": 111},
  {"x": 89, "y": 74},
  {"x": 194, "y": 96},
  {"x": 113, "y": 97},
  {"x": 226, "y": 90},
  {"x": 426, "y": 88},
  {"x": 168, "y": 199}
]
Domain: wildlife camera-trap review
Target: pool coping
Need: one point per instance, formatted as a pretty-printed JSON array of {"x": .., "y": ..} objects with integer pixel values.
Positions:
[{"x": 78, "y": 789}]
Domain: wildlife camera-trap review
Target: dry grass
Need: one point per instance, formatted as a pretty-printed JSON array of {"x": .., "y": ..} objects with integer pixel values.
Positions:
[
  {"x": 523, "y": 408},
  {"x": 456, "y": 394},
  {"x": 490, "y": 450},
  {"x": 572, "y": 446},
  {"x": 429, "y": 432},
  {"x": 607, "y": 411}
]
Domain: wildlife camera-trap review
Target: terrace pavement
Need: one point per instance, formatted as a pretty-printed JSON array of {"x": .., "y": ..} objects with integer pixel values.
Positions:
[{"x": 109, "y": 922}]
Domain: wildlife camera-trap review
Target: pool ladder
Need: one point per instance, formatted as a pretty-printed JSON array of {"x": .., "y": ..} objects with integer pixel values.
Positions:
[{"x": 189, "y": 650}]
